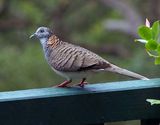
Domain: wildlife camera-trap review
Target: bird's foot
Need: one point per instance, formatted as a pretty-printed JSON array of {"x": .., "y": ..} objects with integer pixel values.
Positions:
[
  {"x": 82, "y": 83},
  {"x": 64, "y": 84}
]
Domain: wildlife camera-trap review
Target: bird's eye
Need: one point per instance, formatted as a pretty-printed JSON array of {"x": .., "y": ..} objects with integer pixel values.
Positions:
[{"x": 41, "y": 31}]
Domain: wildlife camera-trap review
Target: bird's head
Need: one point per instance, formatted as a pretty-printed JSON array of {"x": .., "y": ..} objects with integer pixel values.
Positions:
[{"x": 42, "y": 33}]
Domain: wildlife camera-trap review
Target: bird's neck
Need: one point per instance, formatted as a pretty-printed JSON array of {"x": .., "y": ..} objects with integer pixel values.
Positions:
[
  {"x": 43, "y": 41},
  {"x": 53, "y": 41},
  {"x": 50, "y": 44}
]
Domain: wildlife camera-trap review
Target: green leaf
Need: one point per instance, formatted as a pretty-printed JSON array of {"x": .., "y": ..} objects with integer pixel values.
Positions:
[
  {"x": 153, "y": 101},
  {"x": 145, "y": 32},
  {"x": 151, "y": 45},
  {"x": 155, "y": 30},
  {"x": 157, "y": 61}
]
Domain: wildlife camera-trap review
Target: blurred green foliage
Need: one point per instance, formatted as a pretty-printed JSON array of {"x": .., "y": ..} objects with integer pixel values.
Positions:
[
  {"x": 22, "y": 64},
  {"x": 151, "y": 37}
]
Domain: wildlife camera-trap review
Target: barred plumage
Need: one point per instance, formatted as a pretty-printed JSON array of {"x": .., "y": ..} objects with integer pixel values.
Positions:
[{"x": 70, "y": 60}]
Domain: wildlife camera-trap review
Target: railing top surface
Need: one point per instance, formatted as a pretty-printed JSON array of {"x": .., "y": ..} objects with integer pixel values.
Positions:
[{"x": 91, "y": 88}]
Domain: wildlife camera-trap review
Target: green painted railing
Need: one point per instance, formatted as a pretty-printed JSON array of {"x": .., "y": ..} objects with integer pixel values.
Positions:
[{"x": 93, "y": 105}]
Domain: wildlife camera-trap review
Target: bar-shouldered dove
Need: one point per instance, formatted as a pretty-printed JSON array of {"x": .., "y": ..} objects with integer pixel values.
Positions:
[{"x": 72, "y": 61}]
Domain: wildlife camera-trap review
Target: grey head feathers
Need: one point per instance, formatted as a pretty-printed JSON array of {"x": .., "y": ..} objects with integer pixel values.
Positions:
[{"x": 43, "y": 34}]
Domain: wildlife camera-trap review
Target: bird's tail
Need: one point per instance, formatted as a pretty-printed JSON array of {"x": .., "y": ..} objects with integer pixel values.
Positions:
[{"x": 122, "y": 71}]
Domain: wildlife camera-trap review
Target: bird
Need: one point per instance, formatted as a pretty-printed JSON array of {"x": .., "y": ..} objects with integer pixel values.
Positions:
[{"x": 74, "y": 62}]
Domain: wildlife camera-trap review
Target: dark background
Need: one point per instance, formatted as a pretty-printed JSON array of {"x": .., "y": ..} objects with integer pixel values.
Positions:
[{"x": 107, "y": 27}]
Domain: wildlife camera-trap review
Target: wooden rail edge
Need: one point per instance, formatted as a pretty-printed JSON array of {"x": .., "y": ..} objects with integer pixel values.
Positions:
[{"x": 96, "y": 103}]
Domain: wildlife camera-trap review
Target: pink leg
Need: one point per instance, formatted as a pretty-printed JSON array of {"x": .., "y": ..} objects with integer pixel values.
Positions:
[
  {"x": 65, "y": 83},
  {"x": 82, "y": 83}
]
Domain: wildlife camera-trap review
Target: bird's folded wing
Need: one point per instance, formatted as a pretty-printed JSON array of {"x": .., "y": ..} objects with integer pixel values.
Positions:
[{"x": 76, "y": 58}]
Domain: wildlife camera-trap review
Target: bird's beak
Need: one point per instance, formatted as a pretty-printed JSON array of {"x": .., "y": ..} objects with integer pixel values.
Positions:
[{"x": 32, "y": 35}]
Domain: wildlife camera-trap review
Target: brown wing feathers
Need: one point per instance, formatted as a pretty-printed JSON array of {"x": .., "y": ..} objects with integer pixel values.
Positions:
[{"x": 68, "y": 57}]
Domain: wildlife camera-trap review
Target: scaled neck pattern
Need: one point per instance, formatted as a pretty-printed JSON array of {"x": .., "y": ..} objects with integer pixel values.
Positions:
[
  {"x": 50, "y": 45},
  {"x": 53, "y": 41}
]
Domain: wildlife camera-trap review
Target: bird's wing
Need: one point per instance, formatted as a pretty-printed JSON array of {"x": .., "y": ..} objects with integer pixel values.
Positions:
[
  {"x": 71, "y": 58},
  {"x": 74, "y": 58}
]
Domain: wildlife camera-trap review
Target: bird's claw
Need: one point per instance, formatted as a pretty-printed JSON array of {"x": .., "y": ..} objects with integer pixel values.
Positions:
[{"x": 81, "y": 84}]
